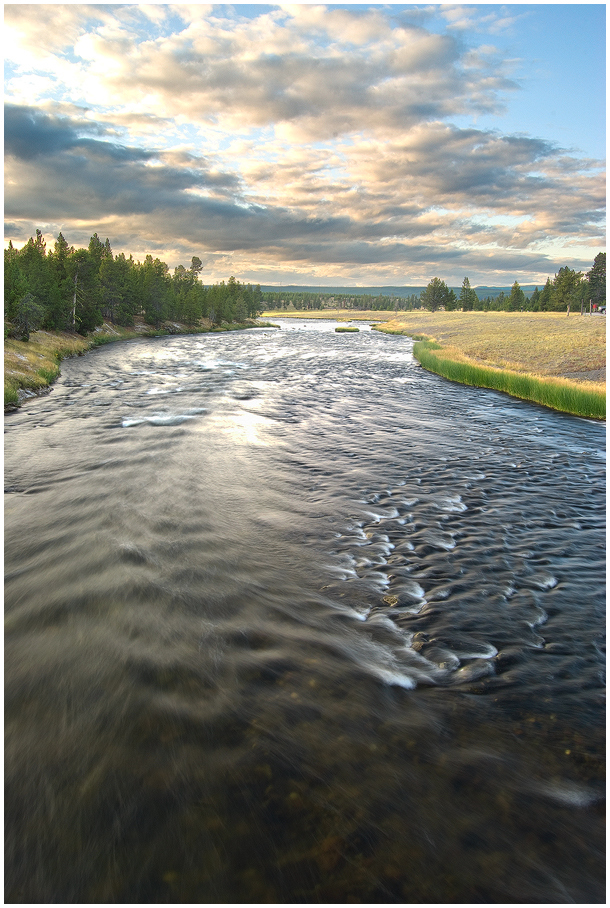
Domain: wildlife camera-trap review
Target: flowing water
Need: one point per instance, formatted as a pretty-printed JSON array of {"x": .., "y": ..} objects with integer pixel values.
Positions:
[{"x": 289, "y": 619}]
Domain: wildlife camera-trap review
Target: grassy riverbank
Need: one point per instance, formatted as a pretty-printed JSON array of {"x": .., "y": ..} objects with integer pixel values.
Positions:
[
  {"x": 547, "y": 358},
  {"x": 543, "y": 343},
  {"x": 31, "y": 366},
  {"x": 557, "y": 393},
  {"x": 544, "y": 357}
]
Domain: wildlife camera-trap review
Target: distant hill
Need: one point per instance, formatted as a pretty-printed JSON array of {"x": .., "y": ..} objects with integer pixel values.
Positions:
[
  {"x": 400, "y": 292},
  {"x": 344, "y": 291},
  {"x": 493, "y": 292}
]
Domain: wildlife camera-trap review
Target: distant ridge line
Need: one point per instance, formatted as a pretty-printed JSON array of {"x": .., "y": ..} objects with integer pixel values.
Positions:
[{"x": 400, "y": 292}]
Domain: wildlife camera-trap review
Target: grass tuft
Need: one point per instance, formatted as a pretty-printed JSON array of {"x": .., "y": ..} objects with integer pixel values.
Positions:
[
  {"x": 11, "y": 397},
  {"x": 345, "y": 329},
  {"x": 49, "y": 375}
]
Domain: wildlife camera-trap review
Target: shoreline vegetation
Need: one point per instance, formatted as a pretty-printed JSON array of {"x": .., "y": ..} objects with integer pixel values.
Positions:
[
  {"x": 49, "y": 296},
  {"x": 31, "y": 367},
  {"x": 543, "y": 357}
]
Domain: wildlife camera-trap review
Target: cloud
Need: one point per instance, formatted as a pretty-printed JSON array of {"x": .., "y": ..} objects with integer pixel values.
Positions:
[
  {"x": 34, "y": 31},
  {"x": 282, "y": 137},
  {"x": 29, "y": 133},
  {"x": 322, "y": 71},
  {"x": 412, "y": 201},
  {"x": 55, "y": 169}
]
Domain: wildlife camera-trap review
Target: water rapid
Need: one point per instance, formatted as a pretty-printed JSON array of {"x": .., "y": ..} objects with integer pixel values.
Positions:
[{"x": 289, "y": 619}]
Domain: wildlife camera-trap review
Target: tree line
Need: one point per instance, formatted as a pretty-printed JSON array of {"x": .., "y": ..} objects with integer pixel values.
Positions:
[
  {"x": 568, "y": 288},
  {"x": 76, "y": 289}
]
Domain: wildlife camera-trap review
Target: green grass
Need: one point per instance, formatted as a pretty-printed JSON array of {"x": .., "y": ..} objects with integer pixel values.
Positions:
[
  {"x": 11, "y": 397},
  {"x": 100, "y": 340},
  {"x": 49, "y": 375},
  {"x": 344, "y": 330},
  {"x": 557, "y": 394}
]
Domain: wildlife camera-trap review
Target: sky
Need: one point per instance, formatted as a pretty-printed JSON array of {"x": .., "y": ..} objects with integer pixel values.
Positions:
[{"x": 346, "y": 144}]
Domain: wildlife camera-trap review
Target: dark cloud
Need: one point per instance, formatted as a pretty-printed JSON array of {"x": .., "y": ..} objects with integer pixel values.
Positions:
[
  {"x": 30, "y": 133},
  {"x": 77, "y": 176},
  {"x": 13, "y": 230}
]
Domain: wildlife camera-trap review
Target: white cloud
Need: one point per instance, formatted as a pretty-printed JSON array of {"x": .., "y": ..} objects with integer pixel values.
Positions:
[{"x": 335, "y": 126}]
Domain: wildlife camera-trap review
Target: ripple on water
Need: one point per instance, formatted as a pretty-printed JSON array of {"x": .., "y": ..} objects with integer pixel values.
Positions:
[{"x": 269, "y": 656}]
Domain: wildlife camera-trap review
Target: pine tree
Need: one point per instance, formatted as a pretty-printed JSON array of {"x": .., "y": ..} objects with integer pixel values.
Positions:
[
  {"x": 544, "y": 300},
  {"x": 435, "y": 295},
  {"x": 567, "y": 289},
  {"x": 468, "y": 296},
  {"x": 516, "y": 300},
  {"x": 597, "y": 280}
]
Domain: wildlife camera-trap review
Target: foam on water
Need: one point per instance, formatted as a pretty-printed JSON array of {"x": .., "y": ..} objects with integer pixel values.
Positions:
[
  {"x": 569, "y": 793},
  {"x": 163, "y": 419}
]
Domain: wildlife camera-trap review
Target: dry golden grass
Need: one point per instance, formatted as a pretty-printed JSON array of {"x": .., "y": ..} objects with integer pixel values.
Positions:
[
  {"x": 34, "y": 364},
  {"x": 538, "y": 343}
]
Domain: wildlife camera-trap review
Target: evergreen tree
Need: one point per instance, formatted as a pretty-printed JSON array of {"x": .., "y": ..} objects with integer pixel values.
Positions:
[
  {"x": 516, "y": 300},
  {"x": 196, "y": 266},
  {"x": 191, "y": 312},
  {"x": 132, "y": 301},
  {"x": 435, "y": 295},
  {"x": 567, "y": 290},
  {"x": 240, "y": 311},
  {"x": 451, "y": 301},
  {"x": 468, "y": 296},
  {"x": 533, "y": 304},
  {"x": 597, "y": 280},
  {"x": 96, "y": 250},
  {"x": 28, "y": 316},
  {"x": 112, "y": 287},
  {"x": 156, "y": 286},
  {"x": 15, "y": 282},
  {"x": 544, "y": 300},
  {"x": 58, "y": 305},
  {"x": 86, "y": 293},
  {"x": 499, "y": 303}
]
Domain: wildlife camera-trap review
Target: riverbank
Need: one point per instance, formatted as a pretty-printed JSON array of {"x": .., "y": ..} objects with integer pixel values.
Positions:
[
  {"x": 556, "y": 393},
  {"x": 30, "y": 367},
  {"x": 544, "y": 357}
]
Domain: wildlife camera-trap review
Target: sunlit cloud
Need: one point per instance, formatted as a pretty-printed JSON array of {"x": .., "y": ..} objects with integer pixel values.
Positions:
[{"x": 296, "y": 139}]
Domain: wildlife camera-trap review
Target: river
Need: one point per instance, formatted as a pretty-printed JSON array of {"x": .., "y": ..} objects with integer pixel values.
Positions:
[{"x": 289, "y": 619}]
